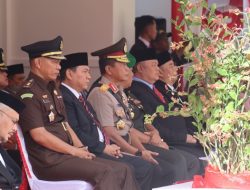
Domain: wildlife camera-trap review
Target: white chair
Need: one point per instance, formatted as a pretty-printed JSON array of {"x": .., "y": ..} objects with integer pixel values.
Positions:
[{"x": 37, "y": 184}]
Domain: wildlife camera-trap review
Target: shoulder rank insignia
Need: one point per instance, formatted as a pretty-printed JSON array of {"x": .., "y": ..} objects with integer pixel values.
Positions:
[
  {"x": 113, "y": 87},
  {"x": 26, "y": 95},
  {"x": 104, "y": 87},
  {"x": 28, "y": 84}
]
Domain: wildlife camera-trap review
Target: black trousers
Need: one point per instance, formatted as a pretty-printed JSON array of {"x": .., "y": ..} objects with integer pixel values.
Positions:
[
  {"x": 142, "y": 169},
  {"x": 15, "y": 155},
  {"x": 182, "y": 164}
]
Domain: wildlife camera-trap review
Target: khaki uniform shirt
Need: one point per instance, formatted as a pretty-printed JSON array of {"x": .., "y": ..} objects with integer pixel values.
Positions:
[
  {"x": 44, "y": 108},
  {"x": 108, "y": 110}
]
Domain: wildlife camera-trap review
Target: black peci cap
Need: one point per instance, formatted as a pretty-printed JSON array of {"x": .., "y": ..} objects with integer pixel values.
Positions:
[
  {"x": 51, "y": 49},
  {"x": 74, "y": 60},
  {"x": 15, "y": 69},
  {"x": 145, "y": 55},
  {"x": 3, "y": 66},
  {"x": 11, "y": 101},
  {"x": 163, "y": 57}
]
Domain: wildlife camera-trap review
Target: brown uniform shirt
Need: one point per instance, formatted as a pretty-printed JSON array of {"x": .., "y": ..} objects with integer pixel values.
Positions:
[{"x": 44, "y": 108}]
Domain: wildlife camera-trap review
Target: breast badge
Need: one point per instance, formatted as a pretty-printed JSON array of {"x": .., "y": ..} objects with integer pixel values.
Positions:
[
  {"x": 55, "y": 92},
  {"x": 132, "y": 114},
  {"x": 120, "y": 124},
  {"x": 51, "y": 116},
  {"x": 120, "y": 112}
]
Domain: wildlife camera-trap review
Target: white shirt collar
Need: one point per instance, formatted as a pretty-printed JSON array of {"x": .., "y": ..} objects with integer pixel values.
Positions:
[
  {"x": 2, "y": 160},
  {"x": 171, "y": 87},
  {"x": 147, "y": 43},
  {"x": 151, "y": 86},
  {"x": 77, "y": 94}
]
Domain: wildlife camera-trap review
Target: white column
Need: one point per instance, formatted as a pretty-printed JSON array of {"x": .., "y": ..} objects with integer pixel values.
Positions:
[
  {"x": 3, "y": 24},
  {"x": 123, "y": 20}
]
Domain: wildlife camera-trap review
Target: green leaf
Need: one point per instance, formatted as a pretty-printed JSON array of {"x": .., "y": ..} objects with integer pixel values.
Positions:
[
  {"x": 193, "y": 82},
  {"x": 189, "y": 33},
  {"x": 222, "y": 72},
  {"x": 182, "y": 23},
  {"x": 216, "y": 112},
  {"x": 233, "y": 95},
  {"x": 160, "y": 109},
  {"x": 240, "y": 102},
  {"x": 212, "y": 9},
  {"x": 194, "y": 10},
  {"x": 204, "y": 4},
  {"x": 170, "y": 105},
  {"x": 189, "y": 73},
  {"x": 226, "y": 128},
  {"x": 247, "y": 150},
  {"x": 230, "y": 107},
  {"x": 199, "y": 107}
]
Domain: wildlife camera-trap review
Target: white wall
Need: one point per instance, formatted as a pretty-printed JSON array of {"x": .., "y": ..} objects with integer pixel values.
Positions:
[
  {"x": 156, "y": 8},
  {"x": 123, "y": 20},
  {"x": 2, "y": 24},
  {"x": 85, "y": 25}
]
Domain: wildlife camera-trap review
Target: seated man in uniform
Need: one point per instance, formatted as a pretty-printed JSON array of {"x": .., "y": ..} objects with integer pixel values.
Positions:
[
  {"x": 165, "y": 85},
  {"x": 16, "y": 77},
  {"x": 55, "y": 152},
  {"x": 75, "y": 77},
  {"x": 111, "y": 107},
  {"x": 10, "y": 173}
]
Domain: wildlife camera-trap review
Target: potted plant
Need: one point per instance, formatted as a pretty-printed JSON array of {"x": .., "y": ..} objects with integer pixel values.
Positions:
[{"x": 218, "y": 87}]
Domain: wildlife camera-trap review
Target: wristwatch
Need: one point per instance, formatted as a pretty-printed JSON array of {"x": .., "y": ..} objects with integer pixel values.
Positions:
[{"x": 138, "y": 153}]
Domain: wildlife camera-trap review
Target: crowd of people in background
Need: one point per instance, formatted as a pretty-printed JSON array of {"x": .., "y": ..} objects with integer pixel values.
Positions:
[{"x": 98, "y": 135}]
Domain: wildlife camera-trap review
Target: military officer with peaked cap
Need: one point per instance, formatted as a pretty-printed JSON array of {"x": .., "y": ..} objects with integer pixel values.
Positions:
[
  {"x": 54, "y": 150},
  {"x": 111, "y": 106}
]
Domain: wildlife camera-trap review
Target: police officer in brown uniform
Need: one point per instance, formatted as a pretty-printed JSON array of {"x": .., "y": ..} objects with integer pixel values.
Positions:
[{"x": 54, "y": 150}]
